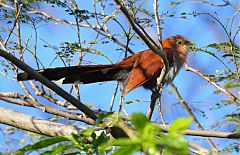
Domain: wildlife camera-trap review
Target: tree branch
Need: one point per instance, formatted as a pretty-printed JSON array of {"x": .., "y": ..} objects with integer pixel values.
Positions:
[
  {"x": 64, "y": 21},
  {"x": 157, "y": 20},
  {"x": 50, "y": 97},
  {"x": 224, "y": 91},
  {"x": 187, "y": 108},
  {"x": 48, "y": 83},
  {"x": 36, "y": 125},
  {"x": 145, "y": 37},
  {"x": 9, "y": 96},
  {"x": 152, "y": 45},
  {"x": 204, "y": 133},
  {"x": 48, "y": 128}
]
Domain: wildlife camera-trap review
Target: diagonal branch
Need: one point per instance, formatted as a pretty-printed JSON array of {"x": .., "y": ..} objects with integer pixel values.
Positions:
[
  {"x": 151, "y": 44},
  {"x": 187, "y": 108},
  {"x": 48, "y": 83},
  {"x": 224, "y": 91},
  {"x": 144, "y": 36}
]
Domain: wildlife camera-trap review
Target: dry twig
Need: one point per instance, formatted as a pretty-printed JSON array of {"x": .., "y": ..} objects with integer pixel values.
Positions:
[{"x": 224, "y": 91}]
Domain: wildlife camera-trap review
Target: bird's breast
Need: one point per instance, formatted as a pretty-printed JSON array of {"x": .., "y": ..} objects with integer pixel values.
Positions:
[{"x": 173, "y": 71}]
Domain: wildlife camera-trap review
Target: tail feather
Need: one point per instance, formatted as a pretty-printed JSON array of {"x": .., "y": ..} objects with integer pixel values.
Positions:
[{"x": 84, "y": 74}]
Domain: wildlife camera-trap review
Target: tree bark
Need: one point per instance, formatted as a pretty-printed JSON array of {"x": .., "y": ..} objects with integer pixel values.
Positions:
[{"x": 36, "y": 125}]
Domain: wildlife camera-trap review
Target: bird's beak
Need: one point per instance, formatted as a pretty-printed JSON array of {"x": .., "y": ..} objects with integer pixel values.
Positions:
[{"x": 191, "y": 45}]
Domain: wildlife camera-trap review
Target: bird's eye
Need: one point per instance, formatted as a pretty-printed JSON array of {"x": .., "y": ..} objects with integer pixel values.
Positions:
[{"x": 179, "y": 42}]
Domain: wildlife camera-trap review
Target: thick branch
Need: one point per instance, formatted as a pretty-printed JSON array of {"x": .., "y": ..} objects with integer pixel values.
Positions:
[
  {"x": 36, "y": 125},
  {"x": 45, "y": 127},
  {"x": 48, "y": 83}
]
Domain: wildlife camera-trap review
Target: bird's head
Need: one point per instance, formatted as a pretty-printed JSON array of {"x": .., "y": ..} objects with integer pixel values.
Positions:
[{"x": 178, "y": 44}]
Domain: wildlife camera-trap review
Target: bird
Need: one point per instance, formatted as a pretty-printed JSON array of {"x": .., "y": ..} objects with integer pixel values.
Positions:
[{"x": 140, "y": 69}]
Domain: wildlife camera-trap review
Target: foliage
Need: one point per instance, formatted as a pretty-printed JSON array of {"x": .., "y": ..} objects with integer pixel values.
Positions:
[
  {"x": 143, "y": 136},
  {"x": 147, "y": 137}
]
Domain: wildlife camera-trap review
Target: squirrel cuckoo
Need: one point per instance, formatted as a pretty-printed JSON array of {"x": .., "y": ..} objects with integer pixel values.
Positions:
[{"x": 140, "y": 69}]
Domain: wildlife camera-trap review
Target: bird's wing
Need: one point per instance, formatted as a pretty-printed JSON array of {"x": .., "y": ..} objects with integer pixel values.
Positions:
[{"x": 147, "y": 66}]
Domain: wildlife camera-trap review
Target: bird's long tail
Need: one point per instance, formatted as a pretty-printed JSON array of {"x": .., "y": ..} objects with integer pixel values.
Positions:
[{"x": 83, "y": 74}]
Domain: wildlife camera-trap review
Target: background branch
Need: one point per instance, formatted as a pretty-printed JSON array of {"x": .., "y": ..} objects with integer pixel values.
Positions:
[
  {"x": 205, "y": 133},
  {"x": 224, "y": 91}
]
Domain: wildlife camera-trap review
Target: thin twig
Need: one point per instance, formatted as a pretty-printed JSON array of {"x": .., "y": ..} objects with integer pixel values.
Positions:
[
  {"x": 113, "y": 96},
  {"x": 204, "y": 133},
  {"x": 151, "y": 44},
  {"x": 27, "y": 92},
  {"x": 155, "y": 94},
  {"x": 200, "y": 150},
  {"x": 223, "y": 90},
  {"x": 10, "y": 100},
  {"x": 154, "y": 97},
  {"x": 188, "y": 109},
  {"x": 9, "y": 96},
  {"x": 18, "y": 9},
  {"x": 121, "y": 102},
  {"x": 63, "y": 21},
  {"x": 230, "y": 4},
  {"x": 14, "y": 24},
  {"x": 159, "y": 107},
  {"x": 50, "y": 98},
  {"x": 157, "y": 20}
]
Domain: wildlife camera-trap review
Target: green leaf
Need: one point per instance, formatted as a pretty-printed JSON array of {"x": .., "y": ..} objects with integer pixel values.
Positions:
[
  {"x": 87, "y": 132},
  {"x": 122, "y": 142},
  {"x": 229, "y": 85},
  {"x": 139, "y": 121},
  {"x": 102, "y": 116},
  {"x": 180, "y": 125},
  {"x": 103, "y": 138},
  {"x": 172, "y": 4},
  {"x": 119, "y": 142},
  {"x": 128, "y": 102},
  {"x": 131, "y": 102},
  {"x": 127, "y": 150},
  {"x": 174, "y": 143},
  {"x": 74, "y": 139},
  {"x": 58, "y": 150},
  {"x": 43, "y": 143}
]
